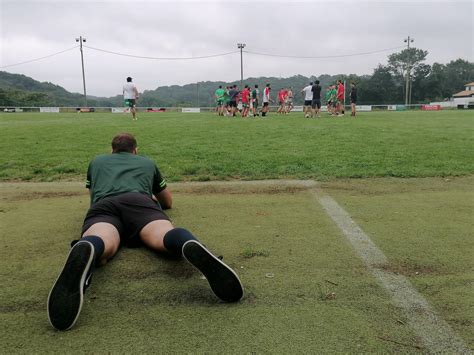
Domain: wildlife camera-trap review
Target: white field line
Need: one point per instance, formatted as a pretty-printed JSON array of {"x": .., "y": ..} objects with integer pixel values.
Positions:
[{"x": 435, "y": 333}]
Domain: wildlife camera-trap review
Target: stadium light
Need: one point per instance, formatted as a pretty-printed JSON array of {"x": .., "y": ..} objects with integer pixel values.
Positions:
[
  {"x": 241, "y": 46},
  {"x": 82, "y": 40}
]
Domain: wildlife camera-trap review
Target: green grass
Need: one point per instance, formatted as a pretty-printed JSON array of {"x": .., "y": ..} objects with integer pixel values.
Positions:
[
  {"x": 50, "y": 147},
  {"x": 305, "y": 290}
]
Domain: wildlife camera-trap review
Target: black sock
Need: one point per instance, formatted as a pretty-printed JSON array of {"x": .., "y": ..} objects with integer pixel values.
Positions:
[
  {"x": 175, "y": 239},
  {"x": 99, "y": 247}
]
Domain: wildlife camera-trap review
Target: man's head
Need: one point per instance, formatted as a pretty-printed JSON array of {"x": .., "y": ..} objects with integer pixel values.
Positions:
[
  {"x": 129, "y": 80},
  {"x": 317, "y": 82},
  {"x": 124, "y": 142},
  {"x": 256, "y": 86}
]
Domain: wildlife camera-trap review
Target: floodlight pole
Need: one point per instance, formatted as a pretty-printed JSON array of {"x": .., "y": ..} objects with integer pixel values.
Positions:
[
  {"x": 407, "y": 79},
  {"x": 81, "y": 40},
  {"x": 241, "y": 46}
]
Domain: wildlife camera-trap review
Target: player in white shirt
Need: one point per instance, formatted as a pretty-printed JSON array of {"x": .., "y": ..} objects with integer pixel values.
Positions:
[
  {"x": 130, "y": 95},
  {"x": 266, "y": 99},
  {"x": 308, "y": 98}
]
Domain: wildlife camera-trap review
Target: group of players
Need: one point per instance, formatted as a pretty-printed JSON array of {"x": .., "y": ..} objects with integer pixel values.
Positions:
[{"x": 231, "y": 101}]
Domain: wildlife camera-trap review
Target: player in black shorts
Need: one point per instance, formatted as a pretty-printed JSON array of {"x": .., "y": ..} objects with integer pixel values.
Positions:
[
  {"x": 353, "y": 96},
  {"x": 128, "y": 195},
  {"x": 316, "y": 102}
]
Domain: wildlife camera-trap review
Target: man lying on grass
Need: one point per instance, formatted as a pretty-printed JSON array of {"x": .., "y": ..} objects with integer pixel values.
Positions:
[{"x": 127, "y": 195}]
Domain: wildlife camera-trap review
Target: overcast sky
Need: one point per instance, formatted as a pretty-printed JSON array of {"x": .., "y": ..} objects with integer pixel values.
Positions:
[{"x": 34, "y": 29}]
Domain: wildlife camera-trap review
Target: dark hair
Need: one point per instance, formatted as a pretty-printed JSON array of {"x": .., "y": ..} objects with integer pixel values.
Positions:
[
  {"x": 220, "y": 86},
  {"x": 129, "y": 79},
  {"x": 317, "y": 82},
  {"x": 124, "y": 142},
  {"x": 256, "y": 85},
  {"x": 311, "y": 83}
]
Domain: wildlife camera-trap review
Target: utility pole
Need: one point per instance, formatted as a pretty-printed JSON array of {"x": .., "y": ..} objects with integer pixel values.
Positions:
[
  {"x": 407, "y": 80},
  {"x": 81, "y": 40},
  {"x": 241, "y": 46}
]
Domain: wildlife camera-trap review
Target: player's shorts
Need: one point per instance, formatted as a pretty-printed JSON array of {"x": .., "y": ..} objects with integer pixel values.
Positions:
[
  {"x": 329, "y": 103},
  {"x": 128, "y": 212},
  {"x": 130, "y": 103},
  {"x": 289, "y": 101},
  {"x": 255, "y": 103},
  {"x": 246, "y": 105},
  {"x": 307, "y": 102},
  {"x": 232, "y": 103},
  {"x": 220, "y": 103},
  {"x": 265, "y": 104},
  {"x": 353, "y": 100},
  {"x": 316, "y": 103}
]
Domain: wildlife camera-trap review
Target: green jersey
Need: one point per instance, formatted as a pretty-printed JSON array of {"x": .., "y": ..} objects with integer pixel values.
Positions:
[
  {"x": 118, "y": 173},
  {"x": 220, "y": 94}
]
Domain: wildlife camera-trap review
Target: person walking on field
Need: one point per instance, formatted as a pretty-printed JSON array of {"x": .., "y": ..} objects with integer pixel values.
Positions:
[
  {"x": 353, "y": 95},
  {"x": 128, "y": 195},
  {"x": 130, "y": 96}
]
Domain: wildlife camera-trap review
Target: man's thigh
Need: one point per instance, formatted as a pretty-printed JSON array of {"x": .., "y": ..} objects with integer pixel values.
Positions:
[{"x": 153, "y": 233}]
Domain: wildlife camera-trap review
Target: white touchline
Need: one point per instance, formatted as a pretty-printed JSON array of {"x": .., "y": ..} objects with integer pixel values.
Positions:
[{"x": 435, "y": 333}]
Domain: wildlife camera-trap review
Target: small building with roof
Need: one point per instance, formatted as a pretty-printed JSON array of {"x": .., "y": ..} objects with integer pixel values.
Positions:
[{"x": 462, "y": 99}]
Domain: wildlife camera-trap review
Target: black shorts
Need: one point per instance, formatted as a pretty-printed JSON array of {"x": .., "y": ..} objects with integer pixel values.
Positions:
[
  {"x": 128, "y": 212},
  {"x": 307, "y": 102},
  {"x": 316, "y": 103},
  {"x": 265, "y": 104},
  {"x": 232, "y": 103},
  {"x": 353, "y": 100}
]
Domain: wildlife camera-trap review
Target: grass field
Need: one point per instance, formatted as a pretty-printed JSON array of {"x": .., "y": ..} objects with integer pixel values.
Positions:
[
  {"x": 48, "y": 147},
  {"x": 306, "y": 290}
]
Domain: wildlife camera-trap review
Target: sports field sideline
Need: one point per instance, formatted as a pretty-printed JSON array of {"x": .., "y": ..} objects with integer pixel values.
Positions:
[{"x": 379, "y": 264}]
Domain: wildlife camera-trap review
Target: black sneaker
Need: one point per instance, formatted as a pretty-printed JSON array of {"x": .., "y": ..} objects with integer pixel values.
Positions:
[
  {"x": 66, "y": 296},
  {"x": 223, "y": 280}
]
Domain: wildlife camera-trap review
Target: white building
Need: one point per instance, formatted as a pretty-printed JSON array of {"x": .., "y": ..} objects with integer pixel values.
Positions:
[{"x": 464, "y": 98}]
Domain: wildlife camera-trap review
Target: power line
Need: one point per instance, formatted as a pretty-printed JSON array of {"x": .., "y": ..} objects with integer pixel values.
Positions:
[
  {"x": 161, "y": 58},
  {"x": 37, "y": 59},
  {"x": 322, "y": 56}
]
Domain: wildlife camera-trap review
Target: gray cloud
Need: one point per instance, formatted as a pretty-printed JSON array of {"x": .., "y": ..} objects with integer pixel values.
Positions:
[{"x": 31, "y": 29}]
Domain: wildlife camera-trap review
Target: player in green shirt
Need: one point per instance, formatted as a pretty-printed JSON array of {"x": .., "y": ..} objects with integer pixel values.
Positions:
[
  {"x": 219, "y": 95},
  {"x": 127, "y": 196}
]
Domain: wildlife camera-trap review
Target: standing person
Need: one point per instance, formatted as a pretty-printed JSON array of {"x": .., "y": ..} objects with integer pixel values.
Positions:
[
  {"x": 266, "y": 99},
  {"x": 124, "y": 190},
  {"x": 308, "y": 98},
  {"x": 233, "y": 96},
  {"x": 289, "y": 100},
  {"x": 340, "y": 98},
  {"x": 130, "y": 97},
  {"x": 316, "y": 102},
  {"x": 328, "y": 99},
  {"x": 226, "y": 108},
  {"x": 245, "y": 101},
  {"x": 353, "y": 95},
  {"x": 255, "y": 94},
  {"x": 281, "y": 100},
  {"x": 334, "y": 100},
  {"x": 219, "y": 96}
]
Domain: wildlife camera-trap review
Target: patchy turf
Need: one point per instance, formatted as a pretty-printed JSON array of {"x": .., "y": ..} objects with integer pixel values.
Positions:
[
  {"x": 425, "y": 228},
  {"x": 306, "y": 291}
]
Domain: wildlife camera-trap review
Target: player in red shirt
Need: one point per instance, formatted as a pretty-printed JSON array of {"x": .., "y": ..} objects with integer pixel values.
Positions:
[
  {"x": 282, "y": 94},
  {"x": 245, "y": 101},
  {"x": 340, "y": 98}
]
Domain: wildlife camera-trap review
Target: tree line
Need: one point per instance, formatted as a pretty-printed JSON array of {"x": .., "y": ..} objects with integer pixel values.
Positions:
[{"x": 386, "y": 85}]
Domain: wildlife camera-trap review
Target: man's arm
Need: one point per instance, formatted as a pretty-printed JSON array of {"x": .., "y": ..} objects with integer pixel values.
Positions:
[{"x": 164, "y": 198}]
